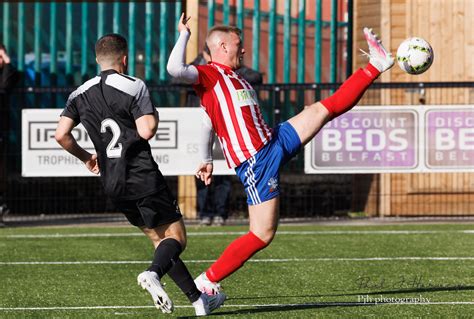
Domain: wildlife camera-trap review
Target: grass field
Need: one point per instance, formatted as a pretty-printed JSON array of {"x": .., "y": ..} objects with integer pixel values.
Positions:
[{"x": 307, "y": 272}]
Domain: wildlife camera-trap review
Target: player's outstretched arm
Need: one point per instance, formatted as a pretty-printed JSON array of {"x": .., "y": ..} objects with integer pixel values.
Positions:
[
  {"x": 204, "y": 171},
  {"x": 177, "y": 67},
  {"x": 68, "y": 142}
]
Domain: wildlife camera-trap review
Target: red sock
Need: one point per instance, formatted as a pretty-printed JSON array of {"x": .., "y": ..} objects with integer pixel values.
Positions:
[
  {"x": 350, "y": 92},
  {"x": 234, "y": 256}
]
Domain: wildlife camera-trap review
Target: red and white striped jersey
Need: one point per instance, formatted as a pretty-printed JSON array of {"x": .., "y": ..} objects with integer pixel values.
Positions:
[{"x": 232, "y": 106}]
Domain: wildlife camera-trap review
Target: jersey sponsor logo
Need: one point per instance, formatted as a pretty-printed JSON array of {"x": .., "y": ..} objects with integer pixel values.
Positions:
[
  {"x": 273, "y": 183},
  {"x": 245, "y": 97}
]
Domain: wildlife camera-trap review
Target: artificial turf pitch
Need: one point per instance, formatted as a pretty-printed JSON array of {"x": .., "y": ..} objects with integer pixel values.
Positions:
[{"x": 307, "y": 272}]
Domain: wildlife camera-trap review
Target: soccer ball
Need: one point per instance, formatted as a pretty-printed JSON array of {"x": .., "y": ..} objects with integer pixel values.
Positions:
[{"x": 415, "y": 55}]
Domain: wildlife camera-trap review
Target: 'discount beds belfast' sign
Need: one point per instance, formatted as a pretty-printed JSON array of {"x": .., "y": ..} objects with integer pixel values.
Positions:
[{"x": 395, "y": 139}]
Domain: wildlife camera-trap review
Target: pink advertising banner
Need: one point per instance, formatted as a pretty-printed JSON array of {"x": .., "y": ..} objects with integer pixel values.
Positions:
[{"x": 395, "y": 139}]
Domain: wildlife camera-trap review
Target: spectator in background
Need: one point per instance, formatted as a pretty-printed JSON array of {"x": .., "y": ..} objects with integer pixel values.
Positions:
[
  {"x": 8, "y": 79},
  {"x": 213, "y": 200}
]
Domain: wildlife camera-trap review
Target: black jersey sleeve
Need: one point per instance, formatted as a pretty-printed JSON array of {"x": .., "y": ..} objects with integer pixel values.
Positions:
[
  {"x": 142, "y": 103},
  {"x": 71, "y": 109}
]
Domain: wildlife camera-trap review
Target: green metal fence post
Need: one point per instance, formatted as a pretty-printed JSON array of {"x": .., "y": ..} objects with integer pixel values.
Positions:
[
  {"x": 272, "y": 43},
  {"x": 69, "y": 75},
  {"x": 175, "y": 100},
  {"x": 131, "y": 38},
  {"x": 226, "y": 9},
  {"x": 240, "y": 16},
  {"x": 256, "y": 36},
  {"x": 177, "y": 14},
  {"x": 37, "y": 43},
  {"x": 100, "y": 23},
  {"x": 37, "y": 51},
  {"x": 287, "y": 41},
  {"x": 318, "y": 30},
  {"x": 148, "y": 40},
  {"x": 350, "y": 21},
  {"x": 21, "y": 37},
  {"x": 116, "y": 13},
  {"x": 84, "y": 36},
  {"x": 211, "y": 13},
  {"x": 301, "y": 40},
  {"x": 6, "y": 25},
  {"x": 163, "y": 40},
  {"x": 53, "y": 50},
  {"x": 333, "y": 49},
  {"x": 100, "y": 19},
  {"x": 287, "y": 58}
]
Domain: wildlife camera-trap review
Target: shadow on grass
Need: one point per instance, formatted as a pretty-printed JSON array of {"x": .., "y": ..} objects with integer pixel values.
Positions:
[{"x": 254, "y": 309}]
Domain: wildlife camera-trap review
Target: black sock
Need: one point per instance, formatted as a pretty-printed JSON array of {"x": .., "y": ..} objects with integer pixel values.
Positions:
[
  {"x": 181, "y": 276},
  {"x": 166, "y": 255}
]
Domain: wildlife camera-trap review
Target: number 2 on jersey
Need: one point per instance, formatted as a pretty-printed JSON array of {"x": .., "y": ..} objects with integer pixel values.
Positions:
[{"x": 114, "y": 149}]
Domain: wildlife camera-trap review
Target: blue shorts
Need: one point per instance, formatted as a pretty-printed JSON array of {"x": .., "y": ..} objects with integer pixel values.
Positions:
[{"x": 260, "y": 174}]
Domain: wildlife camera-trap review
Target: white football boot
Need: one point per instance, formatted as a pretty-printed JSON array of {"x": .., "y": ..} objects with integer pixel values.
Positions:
[
  {"x": 206, "y": 304},
  {"x": 207, "y": 286},
  {"x": 149, "y": 280},
  {"x": 379, "y": 57}
]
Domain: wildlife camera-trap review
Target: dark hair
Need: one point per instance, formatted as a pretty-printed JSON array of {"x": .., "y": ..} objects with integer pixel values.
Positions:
[
  {"x": 2, "y": 47},
  {"x": 111, "y": 47}
]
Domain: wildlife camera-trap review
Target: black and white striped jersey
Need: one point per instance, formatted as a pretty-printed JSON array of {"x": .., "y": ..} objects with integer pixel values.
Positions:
[{"x": 107, "y": 106}]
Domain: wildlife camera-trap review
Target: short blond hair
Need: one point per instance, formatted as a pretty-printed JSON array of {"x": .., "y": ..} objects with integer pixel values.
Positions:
[{"x": 225, "y": 29}]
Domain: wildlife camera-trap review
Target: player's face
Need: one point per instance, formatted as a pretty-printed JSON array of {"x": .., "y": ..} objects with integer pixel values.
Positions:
[{"x": 236, "y": 51}]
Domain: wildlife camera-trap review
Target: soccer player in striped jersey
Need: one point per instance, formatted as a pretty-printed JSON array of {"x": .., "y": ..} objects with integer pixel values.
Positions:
[{"x": 249, "y": 145}]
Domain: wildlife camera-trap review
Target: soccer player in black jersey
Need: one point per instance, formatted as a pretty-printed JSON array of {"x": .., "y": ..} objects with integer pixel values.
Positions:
[{"x": 119, "y": 117}]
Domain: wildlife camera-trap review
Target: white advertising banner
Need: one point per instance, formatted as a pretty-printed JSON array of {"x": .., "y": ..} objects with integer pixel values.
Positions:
[
  {"x": 395, "y": 139},
  {"x": 175, "y": 146}
]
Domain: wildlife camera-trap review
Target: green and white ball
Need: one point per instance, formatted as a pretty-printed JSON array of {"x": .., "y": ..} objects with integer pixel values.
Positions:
[{"x": 415, "y": 55}]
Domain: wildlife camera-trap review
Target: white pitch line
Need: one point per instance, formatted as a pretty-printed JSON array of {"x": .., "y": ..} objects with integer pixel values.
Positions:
[
  {"x": 316, "y": 304},
  {"x": 233, "y": 233},
  {"x": 201, "y": 261}
]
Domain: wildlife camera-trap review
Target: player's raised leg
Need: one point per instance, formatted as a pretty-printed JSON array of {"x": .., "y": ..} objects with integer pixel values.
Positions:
[{"x": 309, "y": 121}]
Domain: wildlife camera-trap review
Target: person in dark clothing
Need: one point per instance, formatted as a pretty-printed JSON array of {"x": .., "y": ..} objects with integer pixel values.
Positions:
[
  {"x": 8, "y": 79},
  {"x": 117, "y": 112}
]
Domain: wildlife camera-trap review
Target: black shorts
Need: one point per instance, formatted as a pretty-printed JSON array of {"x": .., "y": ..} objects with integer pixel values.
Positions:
[{"x": 157, "y": 209}]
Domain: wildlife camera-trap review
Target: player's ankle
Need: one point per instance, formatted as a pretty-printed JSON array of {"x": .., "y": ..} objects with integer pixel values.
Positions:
[{"x": 373, "y": 69}]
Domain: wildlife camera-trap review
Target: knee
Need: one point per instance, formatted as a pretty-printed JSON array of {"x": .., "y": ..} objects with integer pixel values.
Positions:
[
  {"x": 183, "y": 242},
  {"x": 265, "y": 235}
]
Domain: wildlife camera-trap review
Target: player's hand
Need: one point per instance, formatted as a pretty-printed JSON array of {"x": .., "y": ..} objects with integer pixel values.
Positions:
[
  {"x": 204, "y": 173},
  {"x": 183, "y": 23},
  {"x": 92, "y": 164}
]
